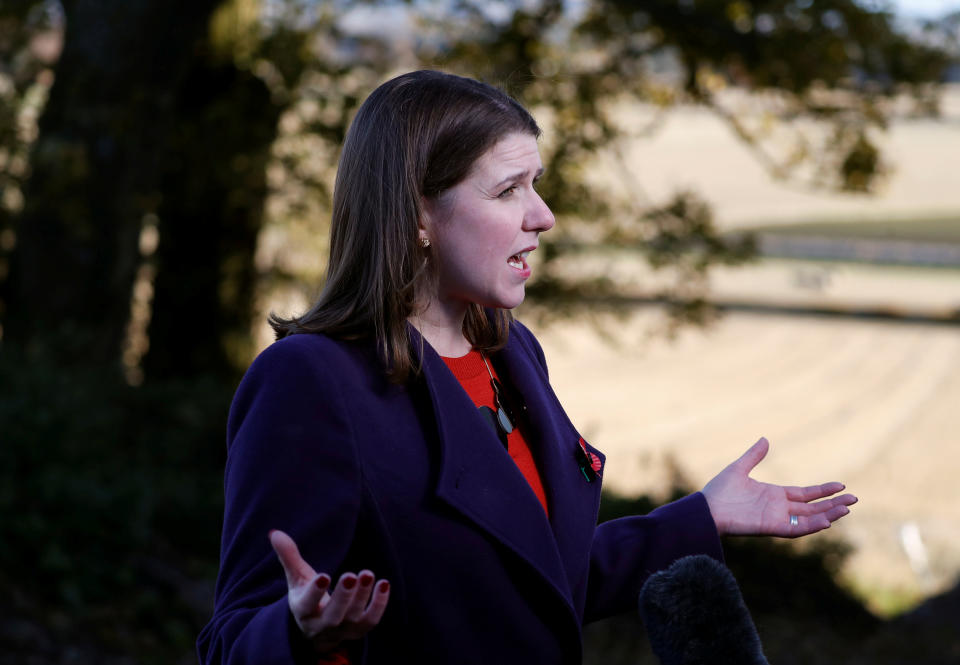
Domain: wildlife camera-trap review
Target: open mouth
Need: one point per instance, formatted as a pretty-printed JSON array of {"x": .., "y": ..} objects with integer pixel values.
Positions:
[{"x": 519, "y": 260}]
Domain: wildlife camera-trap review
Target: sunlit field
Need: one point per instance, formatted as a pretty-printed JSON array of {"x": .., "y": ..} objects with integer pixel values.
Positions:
[{"x": 850, "y": 367}]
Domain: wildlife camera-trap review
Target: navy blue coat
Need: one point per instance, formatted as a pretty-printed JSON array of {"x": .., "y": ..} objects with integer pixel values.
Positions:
[{"x": 410, "y": 482}]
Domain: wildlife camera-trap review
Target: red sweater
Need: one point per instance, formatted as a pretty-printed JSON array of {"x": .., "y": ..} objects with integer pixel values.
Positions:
[{"x": 471, "y": 372}]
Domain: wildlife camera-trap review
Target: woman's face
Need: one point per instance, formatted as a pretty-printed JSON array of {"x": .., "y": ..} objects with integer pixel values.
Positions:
[{"x": 482, "y": 229}]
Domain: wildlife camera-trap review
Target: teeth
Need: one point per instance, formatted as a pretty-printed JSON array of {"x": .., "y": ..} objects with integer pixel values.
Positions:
[{"x": 518, "y": 259}]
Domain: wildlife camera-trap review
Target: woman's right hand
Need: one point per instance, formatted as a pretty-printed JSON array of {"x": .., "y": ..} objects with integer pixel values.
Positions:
[{"x": 348, "y": 613}]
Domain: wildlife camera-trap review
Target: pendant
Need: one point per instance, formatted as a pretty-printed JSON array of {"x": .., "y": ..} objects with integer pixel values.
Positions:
[
  {"x": 505, "y": 423},
  {"x": 503, "y": 419},
  {"x": 494, "y": 421}
]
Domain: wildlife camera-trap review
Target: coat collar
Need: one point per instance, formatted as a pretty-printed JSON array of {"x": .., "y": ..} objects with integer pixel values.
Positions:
[{"x": 480, "y": 480}]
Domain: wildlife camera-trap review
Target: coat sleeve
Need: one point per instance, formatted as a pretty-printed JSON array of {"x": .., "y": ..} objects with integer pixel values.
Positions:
[
  {"x": 628, "y": 550},
  {"x": 291, "y": 465}
]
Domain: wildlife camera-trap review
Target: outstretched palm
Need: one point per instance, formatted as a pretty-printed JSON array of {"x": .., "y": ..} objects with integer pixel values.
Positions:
[
  {"x": 328, "y": 617},
  {"x": 741, "y": 505}
]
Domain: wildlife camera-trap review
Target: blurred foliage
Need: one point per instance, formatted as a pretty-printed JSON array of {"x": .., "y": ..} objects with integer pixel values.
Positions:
[
  {"x": 110, "y": 501},
  {"x": 29, "y": 47},
  {"x": 807, "y": 87},
  {"x": 178, "y": 181},
  {"x": 272, "y": 84}
]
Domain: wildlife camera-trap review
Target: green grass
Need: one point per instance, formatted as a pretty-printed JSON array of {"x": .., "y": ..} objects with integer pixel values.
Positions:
[
  {"x": 885, "y": 602},
  {"x": 945, "y": 229}
]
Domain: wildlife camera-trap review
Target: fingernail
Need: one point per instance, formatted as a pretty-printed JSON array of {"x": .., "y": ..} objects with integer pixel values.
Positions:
[
  {"x": 349, "y": 582},
  {"x": 271, "y": 532},
  {"x": 366, "y": 579},
  {"x": 384, "y": 586},
  {"x": 323, "y": 582}
]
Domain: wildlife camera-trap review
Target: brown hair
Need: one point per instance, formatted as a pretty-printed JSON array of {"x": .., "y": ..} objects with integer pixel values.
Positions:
[{"x": 415, "y": 136}]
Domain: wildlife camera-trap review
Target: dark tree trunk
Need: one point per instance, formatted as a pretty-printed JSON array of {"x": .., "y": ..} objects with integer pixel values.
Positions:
[
  {"x": 214, "y": 189},
  {"x": 95, "y": 172}
]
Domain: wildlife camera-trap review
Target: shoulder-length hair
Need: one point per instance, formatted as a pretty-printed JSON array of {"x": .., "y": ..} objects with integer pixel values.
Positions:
[{"x": 415, "y": 136}]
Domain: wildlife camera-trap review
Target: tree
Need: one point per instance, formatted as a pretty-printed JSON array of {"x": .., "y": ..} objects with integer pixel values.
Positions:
[
  {"x": 29, "y": 44},
  {"x": 213, "y": 185},
  {"x": 95, "y": 175}
]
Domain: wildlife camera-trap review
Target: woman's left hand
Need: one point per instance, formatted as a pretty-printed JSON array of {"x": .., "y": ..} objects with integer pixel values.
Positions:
[{"x": 743, "y": 506}]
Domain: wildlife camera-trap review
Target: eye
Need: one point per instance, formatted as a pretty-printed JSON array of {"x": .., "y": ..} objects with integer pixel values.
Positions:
[{"x": 507, "y": 192}]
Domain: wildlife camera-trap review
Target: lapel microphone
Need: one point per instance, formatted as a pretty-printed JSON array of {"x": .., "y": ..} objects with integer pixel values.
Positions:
[{"x": 695, "y": 615}]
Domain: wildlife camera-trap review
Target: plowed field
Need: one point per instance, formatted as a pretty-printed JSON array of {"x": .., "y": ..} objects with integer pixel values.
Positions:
[{"x": 874, "y": 404}]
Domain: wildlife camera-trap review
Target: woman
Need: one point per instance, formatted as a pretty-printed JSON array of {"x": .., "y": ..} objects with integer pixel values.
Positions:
[{"x": 405, "y": 426}]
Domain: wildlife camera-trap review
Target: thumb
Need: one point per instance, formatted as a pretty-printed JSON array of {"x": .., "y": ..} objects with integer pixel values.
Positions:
[
  {"x": 296, "y": 570},
  {"x": 754, "y": 455}
]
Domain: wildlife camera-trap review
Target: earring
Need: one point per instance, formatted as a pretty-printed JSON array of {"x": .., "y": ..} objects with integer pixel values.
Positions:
[{"x": 424, "y": 241}]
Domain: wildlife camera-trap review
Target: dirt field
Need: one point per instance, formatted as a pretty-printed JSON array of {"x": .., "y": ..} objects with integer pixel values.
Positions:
[
  {"x": 696, "y": 150},
  {"x": 873, "y": 404}
]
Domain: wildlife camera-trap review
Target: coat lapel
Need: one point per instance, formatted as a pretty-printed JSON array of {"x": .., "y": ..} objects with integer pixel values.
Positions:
[
  {"x": 479, "y": 479},
  {"x": 573, "y": 499}
]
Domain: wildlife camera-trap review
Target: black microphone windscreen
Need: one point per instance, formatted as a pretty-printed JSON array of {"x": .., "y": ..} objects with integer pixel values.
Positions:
[{"x": 694, "y": 614}]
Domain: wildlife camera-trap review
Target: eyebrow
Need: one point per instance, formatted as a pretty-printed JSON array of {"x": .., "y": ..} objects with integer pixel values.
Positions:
[{"x": 518, "y": 176}]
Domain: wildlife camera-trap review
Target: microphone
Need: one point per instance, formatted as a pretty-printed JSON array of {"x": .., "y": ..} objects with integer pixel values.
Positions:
[{"x": 695, "y": 615}]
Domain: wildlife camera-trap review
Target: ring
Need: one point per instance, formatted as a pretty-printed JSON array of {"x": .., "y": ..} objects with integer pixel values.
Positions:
[{"x": 794, "y": 520}]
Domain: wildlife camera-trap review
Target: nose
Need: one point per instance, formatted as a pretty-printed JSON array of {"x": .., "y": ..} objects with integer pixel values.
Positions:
[{"x": 538, "y": 217}]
